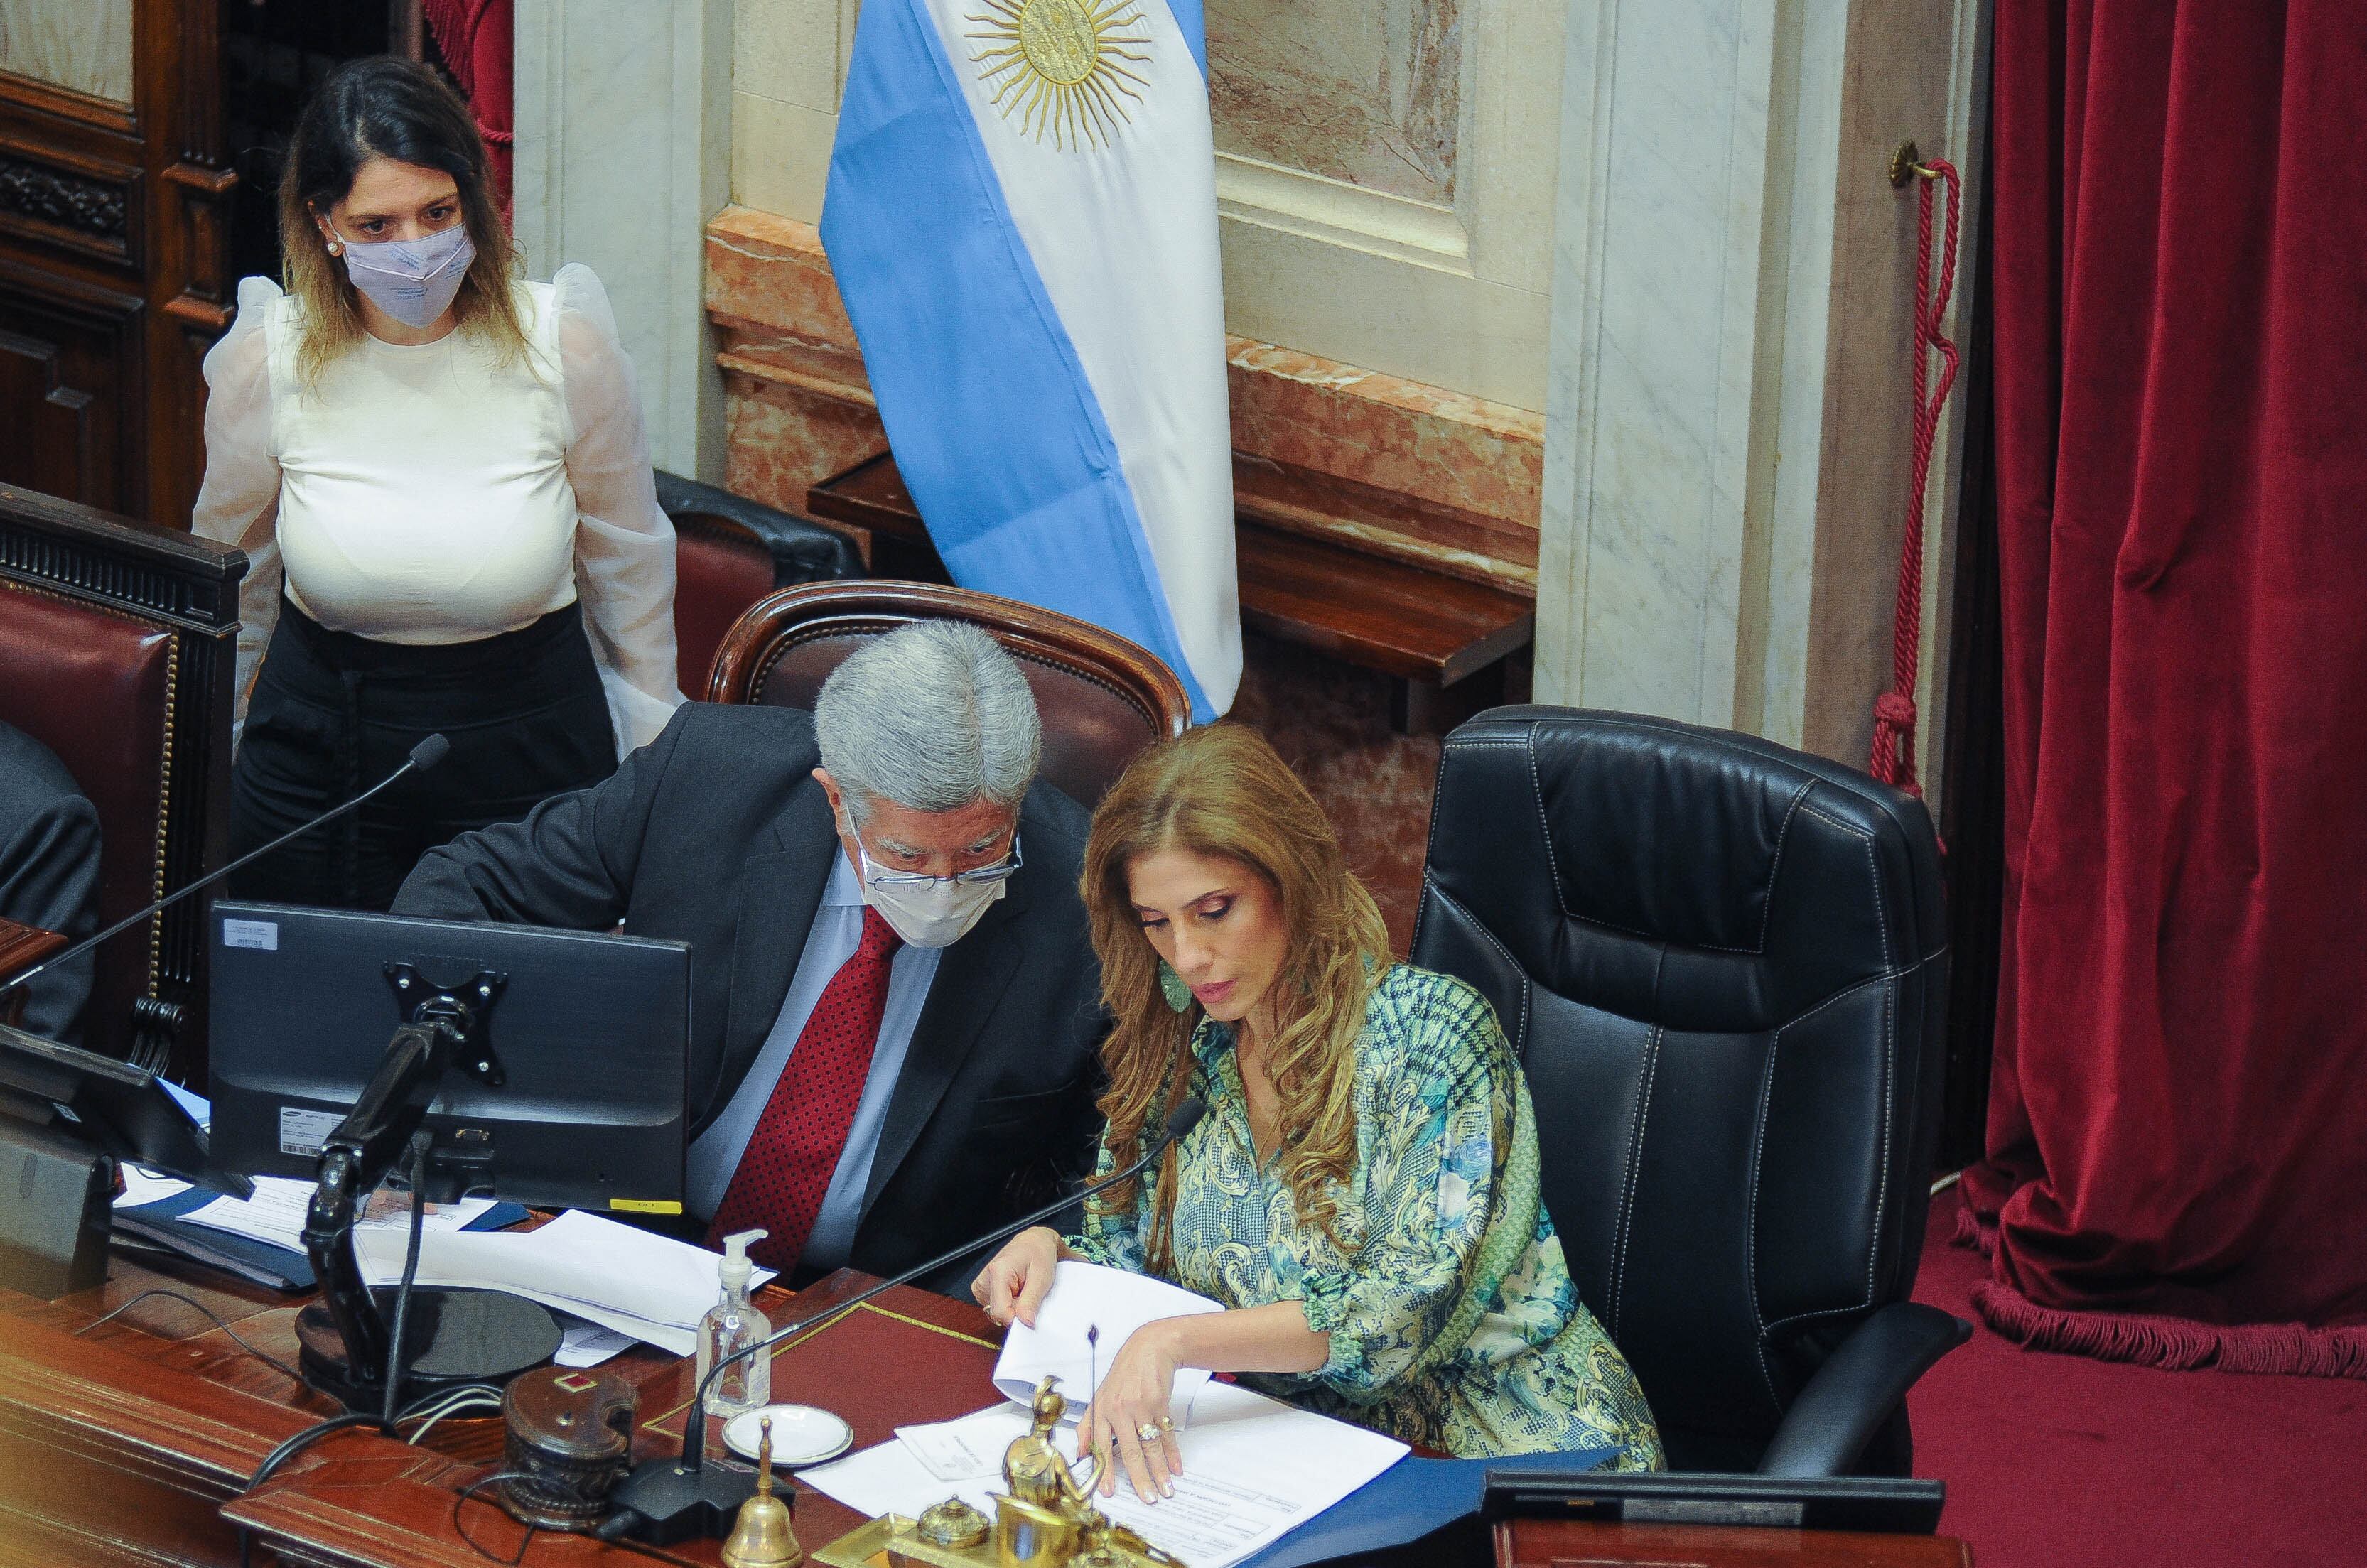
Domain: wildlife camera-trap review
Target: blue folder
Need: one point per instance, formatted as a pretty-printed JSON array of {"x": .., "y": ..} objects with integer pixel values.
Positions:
[{"x": 1404, "y": 1503}]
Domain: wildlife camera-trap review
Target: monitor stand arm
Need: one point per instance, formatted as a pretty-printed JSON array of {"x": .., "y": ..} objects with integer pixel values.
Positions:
[{"x": 451, "y": 1336}]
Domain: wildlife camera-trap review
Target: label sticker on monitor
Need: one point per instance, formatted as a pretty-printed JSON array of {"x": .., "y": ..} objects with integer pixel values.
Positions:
[
  {"x": 261, "y": 935},
  {"x": 303, "y": 1132},
  {"x": 646, "y": 1205}
]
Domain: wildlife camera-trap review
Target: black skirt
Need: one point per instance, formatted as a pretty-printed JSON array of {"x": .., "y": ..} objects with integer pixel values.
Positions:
[{"x": 332, "y": 714}]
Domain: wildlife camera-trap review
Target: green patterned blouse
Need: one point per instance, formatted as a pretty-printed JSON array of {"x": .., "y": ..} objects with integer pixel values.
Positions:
[{"x": 1453, "y": 1318}]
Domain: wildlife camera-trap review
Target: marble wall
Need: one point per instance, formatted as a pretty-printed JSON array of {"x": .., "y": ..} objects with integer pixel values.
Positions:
[
  {"x": 1384, "y": 191},
  {"x": 1727, "y": 431},
  {"x": 801, "y": 409},
  {"x": 1364, "y": 92},
  {"x": 623, "y": 154},
  {"x": 85, "y": 45}
]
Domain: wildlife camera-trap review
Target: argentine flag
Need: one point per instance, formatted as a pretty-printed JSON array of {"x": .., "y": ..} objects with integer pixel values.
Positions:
[{"x": 1021, "y": 217}]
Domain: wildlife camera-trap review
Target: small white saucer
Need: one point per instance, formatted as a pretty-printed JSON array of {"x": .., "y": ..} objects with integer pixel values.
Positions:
[{"x": 801, "y": 1434}]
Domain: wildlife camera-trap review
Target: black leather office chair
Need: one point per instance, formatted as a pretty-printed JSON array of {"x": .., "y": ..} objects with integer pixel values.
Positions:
[{"x": 1723, "y": 964}]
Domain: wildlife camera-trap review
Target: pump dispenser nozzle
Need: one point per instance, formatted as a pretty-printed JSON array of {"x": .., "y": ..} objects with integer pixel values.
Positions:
[{"x": 735, "y": 1269}]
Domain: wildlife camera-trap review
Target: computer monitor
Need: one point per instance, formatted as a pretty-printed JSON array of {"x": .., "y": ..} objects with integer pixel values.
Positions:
[
  {"x": 587, "y": 1033},
  {"x": 67, "y": 1116},
  {"x": 124, "y": 1111}
]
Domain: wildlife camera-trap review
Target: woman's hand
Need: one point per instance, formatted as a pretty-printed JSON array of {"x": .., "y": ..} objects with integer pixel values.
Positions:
[
  {"x": 1013, "y": 1285},
  {"x": 1133, "y": 1397}
]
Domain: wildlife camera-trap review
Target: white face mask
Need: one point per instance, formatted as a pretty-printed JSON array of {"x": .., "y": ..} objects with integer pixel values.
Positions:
[
  {"x": 936, "y": 913},
  {"x": 413, "y": 280}
]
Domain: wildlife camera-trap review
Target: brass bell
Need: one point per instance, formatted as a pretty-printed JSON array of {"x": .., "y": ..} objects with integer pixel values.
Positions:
[{"x": 762, "y": 1536}]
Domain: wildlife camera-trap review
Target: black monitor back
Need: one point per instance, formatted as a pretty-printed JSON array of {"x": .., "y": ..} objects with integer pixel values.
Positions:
[{"x": 590, "y": 1033}]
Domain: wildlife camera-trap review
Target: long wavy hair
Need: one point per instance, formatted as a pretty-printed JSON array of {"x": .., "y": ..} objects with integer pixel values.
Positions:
[
  {"x": 383, "y": 106},
  {"x": 1221, "y": 792}
]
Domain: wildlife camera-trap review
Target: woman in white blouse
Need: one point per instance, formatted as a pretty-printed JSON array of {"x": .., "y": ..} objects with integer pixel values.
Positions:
[{"x": 438, "y": 475}]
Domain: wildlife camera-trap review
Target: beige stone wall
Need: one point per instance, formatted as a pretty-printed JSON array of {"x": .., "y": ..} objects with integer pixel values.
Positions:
[{"x": 1385, "y": 171}]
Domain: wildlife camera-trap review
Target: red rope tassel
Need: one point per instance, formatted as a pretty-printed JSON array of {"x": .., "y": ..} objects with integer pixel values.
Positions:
[{"x": 1893, "y": 760}]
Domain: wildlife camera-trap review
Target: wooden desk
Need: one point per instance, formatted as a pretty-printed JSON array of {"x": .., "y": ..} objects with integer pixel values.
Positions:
[{"x": 132, "y": 1444}]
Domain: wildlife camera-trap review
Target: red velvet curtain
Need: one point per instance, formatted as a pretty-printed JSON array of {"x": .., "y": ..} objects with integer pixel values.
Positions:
[
  {"x": 478, "y": 40},
  {"x": 2176, "y": 1167}
]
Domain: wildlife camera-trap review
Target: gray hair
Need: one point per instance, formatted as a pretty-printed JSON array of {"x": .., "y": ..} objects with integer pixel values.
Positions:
[{"x": 933, "y": 717}]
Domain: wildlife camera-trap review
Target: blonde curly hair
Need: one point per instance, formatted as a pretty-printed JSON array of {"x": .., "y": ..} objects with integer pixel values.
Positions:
[{"x": 1221, "y": 792}]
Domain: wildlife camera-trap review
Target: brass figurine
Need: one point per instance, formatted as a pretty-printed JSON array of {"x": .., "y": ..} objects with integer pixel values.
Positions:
[
  {"x": 1044, "y": 1518},
  {"x": 1032, "y": 1468},
  {"x": 762, "y": 1536}
]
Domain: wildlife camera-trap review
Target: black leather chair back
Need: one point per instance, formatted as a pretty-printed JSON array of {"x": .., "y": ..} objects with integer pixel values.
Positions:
[{"x": 1722, "y": 964}]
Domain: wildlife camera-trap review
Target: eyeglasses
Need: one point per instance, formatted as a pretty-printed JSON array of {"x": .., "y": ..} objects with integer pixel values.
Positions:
[{"x": 977, "y": 877}]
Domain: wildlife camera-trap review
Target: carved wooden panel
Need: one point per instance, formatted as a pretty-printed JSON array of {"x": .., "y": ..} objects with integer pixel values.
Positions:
[
  {"x": 71, "y": 387},
  {"x": 80, "y": 203}
]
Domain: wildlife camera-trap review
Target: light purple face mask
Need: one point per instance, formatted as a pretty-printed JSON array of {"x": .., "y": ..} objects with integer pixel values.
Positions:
[{"x": 412, "y": 281}]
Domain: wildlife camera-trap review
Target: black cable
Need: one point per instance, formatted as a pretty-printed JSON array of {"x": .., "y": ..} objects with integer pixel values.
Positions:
[
  {"x": 420, "y": 1142},
  {"x": 302, "y": 1441},
  {"x": 274, "y": 1362},
  {"x": 299, "y": 1441},
  {"x": 461, "y": 1530}
]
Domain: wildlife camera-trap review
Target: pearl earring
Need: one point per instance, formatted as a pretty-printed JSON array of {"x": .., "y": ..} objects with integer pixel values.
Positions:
[{"x": 336, "y": 247}]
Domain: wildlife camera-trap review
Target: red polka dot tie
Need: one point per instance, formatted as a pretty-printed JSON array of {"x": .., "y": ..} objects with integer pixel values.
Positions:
[{"x": 786, "y": 1167}]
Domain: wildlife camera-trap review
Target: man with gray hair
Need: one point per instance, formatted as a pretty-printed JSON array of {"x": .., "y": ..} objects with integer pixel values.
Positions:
[{"x": 894, "y": 1003}]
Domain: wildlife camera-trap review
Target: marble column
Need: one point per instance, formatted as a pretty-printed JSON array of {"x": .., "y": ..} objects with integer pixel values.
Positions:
[
  {"x": 624, "y": 152},
  {"x": 1726, "y": 419}
]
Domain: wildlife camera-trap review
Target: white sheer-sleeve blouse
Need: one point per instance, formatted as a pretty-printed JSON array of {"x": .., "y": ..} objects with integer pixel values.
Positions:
[{"x": 438, "y": 493}]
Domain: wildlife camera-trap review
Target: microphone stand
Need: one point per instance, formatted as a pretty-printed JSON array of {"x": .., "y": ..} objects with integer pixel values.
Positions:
[
  {"x": 667, "y": 1500},
  {"x": 424, "y": 756}
]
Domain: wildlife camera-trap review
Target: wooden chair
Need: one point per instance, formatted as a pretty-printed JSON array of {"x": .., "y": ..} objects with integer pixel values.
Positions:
[
  {"x": 118, "y": 643},
  {"x": 1101, "y": 697},
  {"x": 729, "y": 553}
]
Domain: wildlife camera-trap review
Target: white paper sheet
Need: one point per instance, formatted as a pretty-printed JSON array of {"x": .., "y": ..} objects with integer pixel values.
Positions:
[
  {"x": 1086, "y": 1296},
  {"x": 1254, "y": 1469},
  {"x": 636, "y": 1283},
  {"x": 276, "y": 1213},
  {"x": 588, "y": 1345},
  {"x": 141, "y": 1185},
  {"x": 969, "y": 1448}
]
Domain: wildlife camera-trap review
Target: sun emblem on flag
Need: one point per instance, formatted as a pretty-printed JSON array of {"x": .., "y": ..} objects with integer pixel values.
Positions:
[{"x": 1060, "y": 68}]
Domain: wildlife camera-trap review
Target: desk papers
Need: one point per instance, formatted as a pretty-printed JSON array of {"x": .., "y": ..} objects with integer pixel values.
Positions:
[
  {"x": 1084, "y": 1297},
  {"x": 275, "y": 1215},
  {"x": 1254, "y": 1468},
  {"x": 262, "y": 1238},
  {"x": 636, "y": 1282}
]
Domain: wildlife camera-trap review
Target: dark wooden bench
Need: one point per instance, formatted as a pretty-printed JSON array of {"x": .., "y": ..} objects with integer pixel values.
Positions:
[{"x": 1444, "y": 642}]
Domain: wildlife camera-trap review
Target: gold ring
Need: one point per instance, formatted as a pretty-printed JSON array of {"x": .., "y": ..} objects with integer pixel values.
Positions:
[
  {"x": 1167, "y": 1422},
  {"x": 1146, "y": 1432}
]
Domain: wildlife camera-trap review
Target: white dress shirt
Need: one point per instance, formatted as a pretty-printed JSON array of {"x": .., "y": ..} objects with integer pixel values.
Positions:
[
  {"x": 715, "y": 1156},
  {"x": 437, "y": 492}
]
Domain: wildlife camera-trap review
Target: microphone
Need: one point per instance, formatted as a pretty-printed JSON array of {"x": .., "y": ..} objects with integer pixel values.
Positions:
[
  {"x": 666, "y": 1500},
  {"x": 424, "y": 756}
]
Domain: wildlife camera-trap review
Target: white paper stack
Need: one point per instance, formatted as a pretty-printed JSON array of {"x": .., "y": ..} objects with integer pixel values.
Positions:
[
  {"x": 1089, "y": 1314},
  {"x": 1254, "y": 1467},
  {"x": 644, "y": 1286}
]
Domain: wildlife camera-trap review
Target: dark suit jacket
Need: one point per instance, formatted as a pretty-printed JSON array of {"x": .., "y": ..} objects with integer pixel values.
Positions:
[
  {"x": 49, "y": 874},
  {"x": 717, "y": 834}
]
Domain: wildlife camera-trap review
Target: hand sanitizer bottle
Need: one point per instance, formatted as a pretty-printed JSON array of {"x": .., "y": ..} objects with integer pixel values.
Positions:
[{"x": 734, "y": 1324}]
